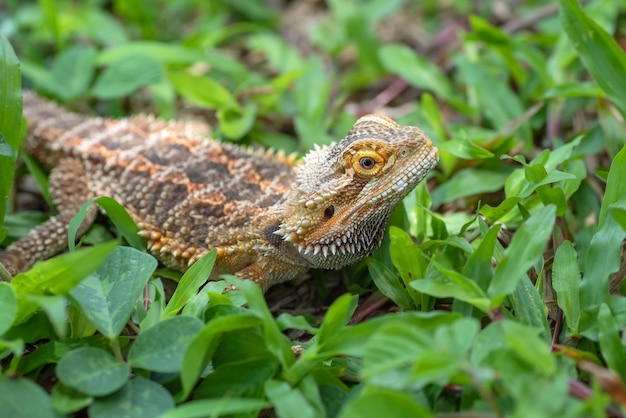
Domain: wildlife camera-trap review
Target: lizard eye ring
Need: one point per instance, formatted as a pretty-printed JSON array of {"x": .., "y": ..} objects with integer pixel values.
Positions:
[{"x": 367, "y": 163}]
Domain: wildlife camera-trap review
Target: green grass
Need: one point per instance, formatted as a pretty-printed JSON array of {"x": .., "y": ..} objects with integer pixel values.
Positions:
[{"x": 490, "y": 294}]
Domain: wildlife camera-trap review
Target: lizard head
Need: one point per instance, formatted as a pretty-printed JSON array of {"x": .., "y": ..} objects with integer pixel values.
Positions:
[{"x": 344, "y": 193}]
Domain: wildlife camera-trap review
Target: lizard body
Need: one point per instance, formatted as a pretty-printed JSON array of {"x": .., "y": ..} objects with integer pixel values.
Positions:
[{"x": 270, "y": 217}]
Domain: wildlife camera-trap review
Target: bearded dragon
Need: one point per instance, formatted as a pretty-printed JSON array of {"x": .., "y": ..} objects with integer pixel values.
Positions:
[{"x": 270, "y": 216}]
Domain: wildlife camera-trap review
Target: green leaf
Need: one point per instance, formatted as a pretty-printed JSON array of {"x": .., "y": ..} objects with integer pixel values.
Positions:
[
  {"x": 57, "y": 275},
  {"x": 107, "y": 297},
  {"x": 217, "y": 407},
  {"x": 462, "y": 147},
  {"x": 603, "y": 57},
  {"x": 202, "y": 347},
  {"x": 92, "y": 371},
  {"x": 55, "y": 308},
  {"x": 604, "y": 254},
  {"x": 117, "y": 214},
  {"x": 455, "y": 285},
  {"x": 71, "y": 73},
  {"x": 566, "y": 282},
  {"x": 8, "y": 301},
  {"x": 478, "y": 267},
  {"x": 125, "y": 76},
  {"x": 415, "y": 69},
  {"x": 189, "y": 284},
  {"x": 67, "y": 400},
  {"x": 525, "y": 249},
  {"x": 139, "y": 398},
  {"x": 203, "y": 91},
  {"x": 610, "y": 342},
  {"x": 529, "y": 306},
  {"x": 10, "y": 120},
  {"x": 493, "y": 214},
  {"x": 530, "y": 348},
  {"x": 288, "y": 401},
  {"x": 388, "y": 284},
  {"x": 21, "y": 397},
  {"x": 615, "y": 186},
  {"x": 245, "y": 378},
  {"x": 277, "y": 343},
  {"x": 374, "y": 402},
  {"x": 469, "y": 182},
  {"x": 235, "y": 123},
  {"x": 161, "y": 347},
  {"x": 394, "y": 345},
  {"x": 337, "y": 316}
]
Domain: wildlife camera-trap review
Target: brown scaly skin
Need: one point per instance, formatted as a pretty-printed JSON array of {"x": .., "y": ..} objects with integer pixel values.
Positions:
[{"x": 269, "y": 217}]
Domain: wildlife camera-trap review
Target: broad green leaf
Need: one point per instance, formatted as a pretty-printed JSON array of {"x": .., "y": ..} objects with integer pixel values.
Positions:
[
  {"x": 161, "y": 347},
  {"x": 8, "y": 301},
  {"x": 125, "y": 76},
  {"x": 566, "y": 283},
  {"x": 10, "y": 120},
  {"x": 374, "y": 402},
  {"x": 67, "y": 400},
  {"x": 603, "y": 57},
  {"x": 415, "y": 69},
  {"x": 610, "y": 342},
  {"x": 139, "y": 398},
  {"x": 20, "y": 397},
  {"x": 529, "y": 307},
  {"x": 203, "y": 91},
  {"x": 161, "y": 51},
  {"x": 107, "y": 297},
  {"x": 281, "y": 55},
  {"x": 529, "y": 347},
  {"x": 202, "y": 347},
  {"x": 245, "y": 378},
  {"x": 71, "y": 73},
  {"x": 92, "y": 371},
  {"x": 526, "y": 248},
  {"x": 393, "y": 346},
  {"x": 578, "y": 89},
  {"x": 478, "y": 267},
  {"x": 235, "y": 123},
  {"x": 604, "y": 254},
  {"x": 55, "y": 308},
  {"x": 288, "y": 401},
  {"x": 189, "y": 284},
  {"x": 493, "y": 214},
  {"x": 409, "y": 260},
  {"x": 453, "y": 284},
  {"x": 469, "y": 182},
  {"x": 615, "y": 185},
  {"x": 388, "y": 284},
  {"x": 312, "y": 109},
  {"x": 58, "y": 275},
  {"x": 276, "y": 342},
  {"x": 494, "y": 96},
  {"x": 337, "y": 317},
  {"x": 464, "y": 148},
  {"x": 217, "y": 407}
]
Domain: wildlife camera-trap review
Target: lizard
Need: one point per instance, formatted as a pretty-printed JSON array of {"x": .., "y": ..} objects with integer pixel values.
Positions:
[{"x": 270, "y": 216}]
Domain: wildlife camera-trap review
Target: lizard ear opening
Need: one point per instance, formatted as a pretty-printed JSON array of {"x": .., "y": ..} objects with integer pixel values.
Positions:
[{"x": 329, "y": 212}]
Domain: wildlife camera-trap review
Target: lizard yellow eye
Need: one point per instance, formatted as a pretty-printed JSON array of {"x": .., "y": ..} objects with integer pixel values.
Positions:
[{"x": 367, "y": 163}]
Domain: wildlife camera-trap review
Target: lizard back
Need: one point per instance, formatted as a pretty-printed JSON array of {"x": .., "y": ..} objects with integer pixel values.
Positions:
[{"x": 188, "y": 194}]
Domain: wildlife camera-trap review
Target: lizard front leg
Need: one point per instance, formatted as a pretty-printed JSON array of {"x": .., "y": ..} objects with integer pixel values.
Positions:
[{"x": 69, "y": 191}]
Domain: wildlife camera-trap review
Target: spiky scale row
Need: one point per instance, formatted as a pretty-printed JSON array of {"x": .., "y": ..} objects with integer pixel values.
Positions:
[{"x": 269, "y": 216}]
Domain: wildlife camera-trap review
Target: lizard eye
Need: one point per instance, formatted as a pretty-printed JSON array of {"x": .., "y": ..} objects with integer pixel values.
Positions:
[{"x": 367, "y": 163}]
